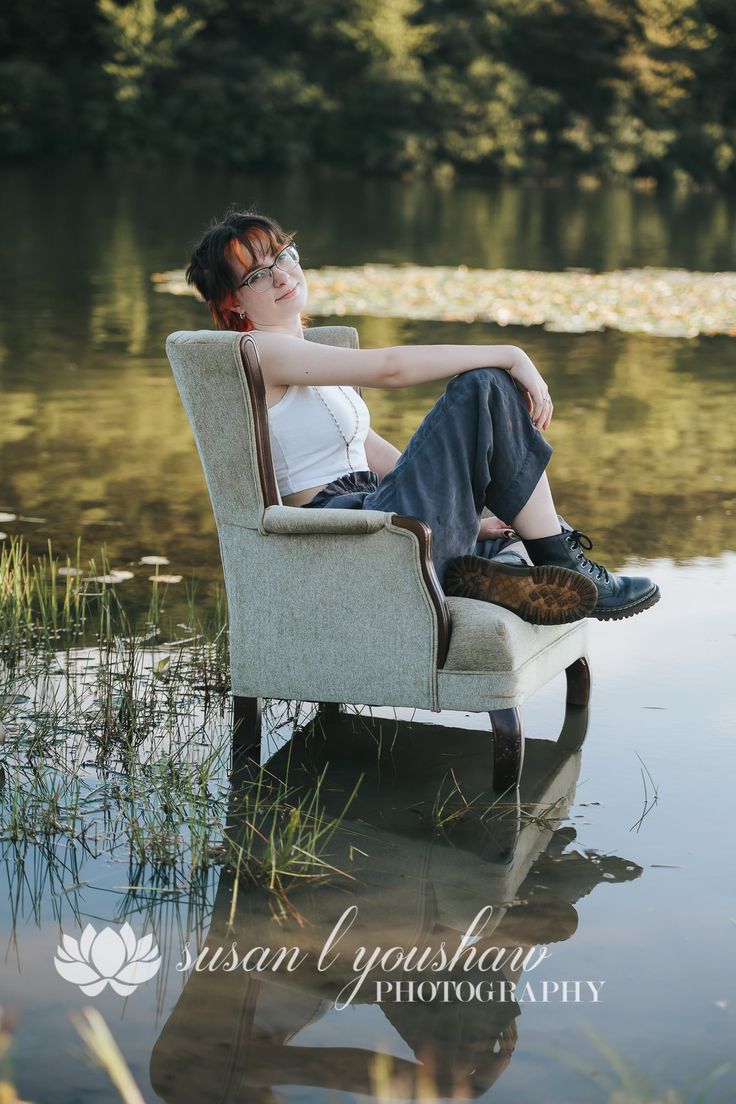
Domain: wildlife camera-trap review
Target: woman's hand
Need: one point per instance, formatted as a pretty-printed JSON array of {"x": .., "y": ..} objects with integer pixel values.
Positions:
[
  {"x": 525, "y": 374},
  {"x": 492, "y": 528}
]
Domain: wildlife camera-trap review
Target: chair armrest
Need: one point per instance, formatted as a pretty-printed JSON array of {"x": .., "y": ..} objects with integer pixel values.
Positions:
[{"x": 297, "y": 521}]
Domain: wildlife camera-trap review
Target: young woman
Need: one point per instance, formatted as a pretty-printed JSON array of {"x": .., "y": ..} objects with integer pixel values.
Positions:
[{"x": 480, "y": 446}]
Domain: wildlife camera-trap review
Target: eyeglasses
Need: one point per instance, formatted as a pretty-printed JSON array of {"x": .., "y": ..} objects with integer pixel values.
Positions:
[{"x": 262, "y": 280}]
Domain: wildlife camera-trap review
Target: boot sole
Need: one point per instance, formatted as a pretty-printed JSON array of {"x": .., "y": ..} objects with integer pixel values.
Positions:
[
  {"x": 539, "y": 595},
  {"x": 623, "y": 612}
]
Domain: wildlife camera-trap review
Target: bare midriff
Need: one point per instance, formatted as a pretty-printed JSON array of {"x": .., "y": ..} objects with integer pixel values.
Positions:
[{"x": 299, "y": 498}]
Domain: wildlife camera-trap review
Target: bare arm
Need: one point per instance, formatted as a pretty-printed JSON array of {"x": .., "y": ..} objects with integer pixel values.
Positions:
[
  {"x": 287, "y": 360},
  {"x": 381, "y": 455}
]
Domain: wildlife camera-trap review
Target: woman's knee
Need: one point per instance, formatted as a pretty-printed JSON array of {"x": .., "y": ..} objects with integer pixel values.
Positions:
[{"x": 481, "y": 379}]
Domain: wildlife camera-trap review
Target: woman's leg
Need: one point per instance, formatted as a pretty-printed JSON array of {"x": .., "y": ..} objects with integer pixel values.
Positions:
[
  {"x": 476, "y": 447},
  {"x": 538, "y": 516}
]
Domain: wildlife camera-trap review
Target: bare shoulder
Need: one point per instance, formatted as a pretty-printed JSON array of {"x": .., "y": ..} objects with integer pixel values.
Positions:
[
  {"x": 268, "y": 338},
  {"x": 287, "y": 360}
]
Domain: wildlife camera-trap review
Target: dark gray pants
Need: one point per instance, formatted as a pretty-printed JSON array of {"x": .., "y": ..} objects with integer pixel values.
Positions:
[{"x": 477, "y": 447}]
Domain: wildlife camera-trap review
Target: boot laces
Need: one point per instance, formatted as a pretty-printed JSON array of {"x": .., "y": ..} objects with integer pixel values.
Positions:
[{"x": 579, "y": 541}]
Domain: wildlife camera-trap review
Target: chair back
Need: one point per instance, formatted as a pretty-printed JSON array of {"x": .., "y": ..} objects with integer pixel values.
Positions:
[
  {"x": 305, "y": 619},
  {"x": 235, "y": 451}
]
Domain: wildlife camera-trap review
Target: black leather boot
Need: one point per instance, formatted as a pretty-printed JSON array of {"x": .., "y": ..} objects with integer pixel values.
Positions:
[
  {"x": 539, "y": 595},
  {"x": 619, "y": 596}
]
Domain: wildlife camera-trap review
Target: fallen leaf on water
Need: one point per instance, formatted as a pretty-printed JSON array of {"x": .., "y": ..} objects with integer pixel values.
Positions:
[
  {"x": 152, "y": 561},
  {"x": 7, "y": 517},
  {"x": 69, "y": 571},
  {"x": 165, "y": 578}
]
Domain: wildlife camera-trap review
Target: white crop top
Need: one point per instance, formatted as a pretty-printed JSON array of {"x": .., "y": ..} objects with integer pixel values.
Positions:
[{"x": 308, "y": 449}]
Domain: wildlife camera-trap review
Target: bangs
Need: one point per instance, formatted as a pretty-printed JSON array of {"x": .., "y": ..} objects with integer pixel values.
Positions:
[{"x": 253, "y": 245}]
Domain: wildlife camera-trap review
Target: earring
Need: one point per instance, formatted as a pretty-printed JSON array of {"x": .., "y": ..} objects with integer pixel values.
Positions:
[{"x": 242, "y": 314}]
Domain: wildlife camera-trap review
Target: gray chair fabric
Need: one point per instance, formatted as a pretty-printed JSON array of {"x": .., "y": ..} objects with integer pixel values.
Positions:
[{"x": 334, "y": 605}]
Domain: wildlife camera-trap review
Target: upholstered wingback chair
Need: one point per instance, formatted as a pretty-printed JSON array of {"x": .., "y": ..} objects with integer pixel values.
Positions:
[{"x": 344, "y": 606}]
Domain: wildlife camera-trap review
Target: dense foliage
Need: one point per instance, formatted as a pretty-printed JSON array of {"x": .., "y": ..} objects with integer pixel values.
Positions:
[{"x": 601, "y": 88}]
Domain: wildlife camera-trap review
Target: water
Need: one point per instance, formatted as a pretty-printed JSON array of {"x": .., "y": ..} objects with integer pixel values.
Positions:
[{"x": 95, "y": 443}]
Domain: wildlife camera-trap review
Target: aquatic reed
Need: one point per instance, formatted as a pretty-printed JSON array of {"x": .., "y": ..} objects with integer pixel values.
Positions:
[{"x": 117, "y": 736}]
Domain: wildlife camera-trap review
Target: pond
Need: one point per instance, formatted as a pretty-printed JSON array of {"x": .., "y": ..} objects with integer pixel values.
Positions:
[{"x": 95, "y": 447}]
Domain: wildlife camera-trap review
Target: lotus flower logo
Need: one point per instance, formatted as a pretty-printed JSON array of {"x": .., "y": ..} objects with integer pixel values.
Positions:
[{"x": 110, "y": 958}]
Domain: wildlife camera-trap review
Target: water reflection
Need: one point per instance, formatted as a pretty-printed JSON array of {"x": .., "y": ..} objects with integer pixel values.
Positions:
[
  {"x": 643, "y": 433},
  {"x": 93, "y": 436},
  {"x": 422, "y": 865}
]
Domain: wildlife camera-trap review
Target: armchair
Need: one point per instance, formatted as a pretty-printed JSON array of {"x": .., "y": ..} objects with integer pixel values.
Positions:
[{"x": 344, "y": 607}]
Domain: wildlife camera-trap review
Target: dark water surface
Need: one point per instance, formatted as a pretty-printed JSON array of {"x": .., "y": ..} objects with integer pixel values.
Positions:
[
  {"x": 93, "y": 436},
  {"x": 94, "y": 442}
]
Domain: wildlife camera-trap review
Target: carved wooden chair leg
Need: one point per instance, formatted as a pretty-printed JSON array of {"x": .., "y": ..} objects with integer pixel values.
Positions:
[
  {"x": 574, "y": 728},
  {"x": 246, "y": 731},
  {"x": 507, "y": 830},
  {"x": 575, "y": 724},
  {"x": 578, "y": 682},
  {"x": 328, "y": 711},
  {"x": 508, "y": 748}
]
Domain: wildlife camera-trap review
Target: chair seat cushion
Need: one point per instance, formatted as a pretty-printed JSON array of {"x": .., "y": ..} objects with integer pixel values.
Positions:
[
  {"x": 495, "y": 659},
  {"x": 486, "y": 637}
]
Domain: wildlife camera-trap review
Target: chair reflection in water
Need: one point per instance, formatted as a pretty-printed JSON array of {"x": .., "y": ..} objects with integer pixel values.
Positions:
[
  {"x": 344, "y": 606},
  {"x": 235, "y": 1036}
]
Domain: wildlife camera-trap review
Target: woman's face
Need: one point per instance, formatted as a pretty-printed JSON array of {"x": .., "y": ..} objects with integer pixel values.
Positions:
[{"x": 277, "y": 295}]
